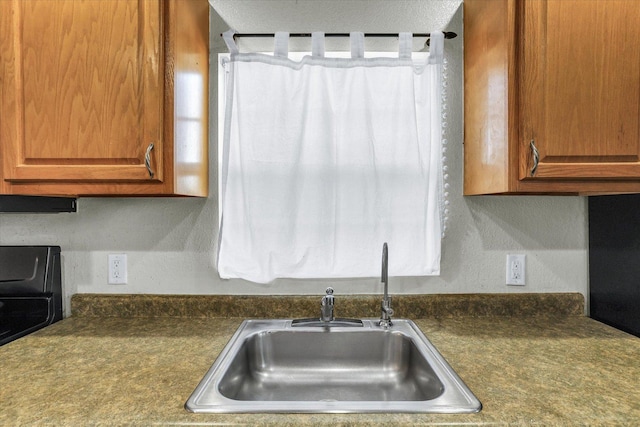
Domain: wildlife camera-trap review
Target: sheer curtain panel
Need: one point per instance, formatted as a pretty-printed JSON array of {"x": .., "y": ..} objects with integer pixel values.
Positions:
[{"x": 325, "y": 159}]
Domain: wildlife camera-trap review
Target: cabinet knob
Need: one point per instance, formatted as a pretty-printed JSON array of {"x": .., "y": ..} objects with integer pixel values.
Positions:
[
  {"x": 536, "y": 157},
  {"x": 147, "y": 160}
]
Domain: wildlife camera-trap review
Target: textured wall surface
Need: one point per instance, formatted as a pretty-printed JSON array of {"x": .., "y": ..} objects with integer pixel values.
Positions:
[{"x": 171, "y": 243}]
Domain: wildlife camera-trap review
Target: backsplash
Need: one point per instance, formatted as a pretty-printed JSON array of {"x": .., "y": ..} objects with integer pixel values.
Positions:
[{"x": 355, "y": 306}]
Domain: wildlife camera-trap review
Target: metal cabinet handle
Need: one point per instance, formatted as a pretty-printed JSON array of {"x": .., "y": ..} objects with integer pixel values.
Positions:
[
  {"x": 147, "y": 160},
  {"x": 536, "y": 157}
]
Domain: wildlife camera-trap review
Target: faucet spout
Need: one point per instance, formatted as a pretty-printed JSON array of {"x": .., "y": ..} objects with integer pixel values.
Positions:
[
  {"x": 384, "y": 276},
  {"x": 385, "y": 306}
]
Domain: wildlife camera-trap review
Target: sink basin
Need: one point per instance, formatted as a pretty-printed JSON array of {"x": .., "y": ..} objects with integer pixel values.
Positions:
[{"x": 274, "y": 366}]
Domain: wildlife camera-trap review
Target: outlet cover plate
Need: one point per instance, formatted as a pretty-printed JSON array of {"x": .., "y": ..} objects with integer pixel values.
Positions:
[
  {"x": 117, "y": 269},
  {"x": 516, "y": 269}
]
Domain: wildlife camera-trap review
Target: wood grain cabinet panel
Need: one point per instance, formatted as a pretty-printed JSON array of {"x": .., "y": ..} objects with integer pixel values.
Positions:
[
  {"x": 104, "y": 97},
  {"x": 562, "y": 76}
]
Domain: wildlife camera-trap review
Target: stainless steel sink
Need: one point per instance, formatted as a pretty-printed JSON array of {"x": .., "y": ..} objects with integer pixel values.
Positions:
[{"x": 272, "y": 366}]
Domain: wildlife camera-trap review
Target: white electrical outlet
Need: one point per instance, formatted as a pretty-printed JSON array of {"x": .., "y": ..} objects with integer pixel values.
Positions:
[
  {"x": 515, "y": 269},
  {"x": 117, "y": 269}
]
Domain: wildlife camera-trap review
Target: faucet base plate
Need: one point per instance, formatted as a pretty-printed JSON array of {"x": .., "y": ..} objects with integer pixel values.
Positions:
[{"x": 337, "y": 322}]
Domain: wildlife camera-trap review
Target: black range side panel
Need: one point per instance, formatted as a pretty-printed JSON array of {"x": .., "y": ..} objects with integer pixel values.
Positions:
[
  {"x": 30, "y": 290},
  {"x": 614, "y": 261}
]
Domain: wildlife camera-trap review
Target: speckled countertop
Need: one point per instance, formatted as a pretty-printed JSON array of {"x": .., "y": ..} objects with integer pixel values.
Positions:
[{"x": 554, "y": 368}]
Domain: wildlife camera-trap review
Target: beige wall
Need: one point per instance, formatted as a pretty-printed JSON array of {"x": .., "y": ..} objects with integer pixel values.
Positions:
[{"x": 171, "y": 243}]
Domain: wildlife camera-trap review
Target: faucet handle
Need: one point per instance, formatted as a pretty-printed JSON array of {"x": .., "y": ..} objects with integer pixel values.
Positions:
[
  {"x": 387, "y": 312},
  {"x": 326, "y": 306},
  {"x": 327, "y": 300},
  {"x": 386, "y": 307}
]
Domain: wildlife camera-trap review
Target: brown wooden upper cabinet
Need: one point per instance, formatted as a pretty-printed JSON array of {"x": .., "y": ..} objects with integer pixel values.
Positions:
[
  {"x": 104, "y": 97},
  {"x": 552, "y": 96}
]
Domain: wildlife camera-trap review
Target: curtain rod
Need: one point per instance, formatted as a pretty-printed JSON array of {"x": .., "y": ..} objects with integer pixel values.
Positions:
[{"x": 447, "y": 35}]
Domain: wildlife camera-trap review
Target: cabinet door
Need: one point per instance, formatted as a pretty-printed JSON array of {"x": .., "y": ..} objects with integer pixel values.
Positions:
[
  {"x": 82, "y": 90},
  {"x": 580, "y": 89}
]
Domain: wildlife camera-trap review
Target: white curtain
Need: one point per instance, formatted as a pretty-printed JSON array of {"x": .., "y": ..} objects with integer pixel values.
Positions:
[{"x": 325, "y": 159}]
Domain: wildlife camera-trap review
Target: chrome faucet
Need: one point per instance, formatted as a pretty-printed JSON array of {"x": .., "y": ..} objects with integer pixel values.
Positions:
[
  {"x": 327, "y": 318},
  {"x": 326, "y": 308},
  {"x": 386, "y": 310}
]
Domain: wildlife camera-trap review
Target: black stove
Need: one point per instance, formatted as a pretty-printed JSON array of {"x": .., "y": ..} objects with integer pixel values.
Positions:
[{"x": 30, "y": 290}]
